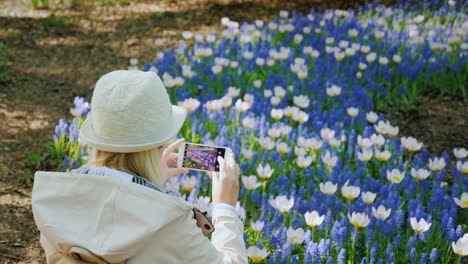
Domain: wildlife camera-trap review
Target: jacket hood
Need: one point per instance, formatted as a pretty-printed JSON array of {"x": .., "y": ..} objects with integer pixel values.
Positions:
[{"x": 111, "y": 218}]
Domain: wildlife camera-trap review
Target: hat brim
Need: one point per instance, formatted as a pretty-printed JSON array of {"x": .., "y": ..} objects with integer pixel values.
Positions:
[{"x": 88, "y": 135}]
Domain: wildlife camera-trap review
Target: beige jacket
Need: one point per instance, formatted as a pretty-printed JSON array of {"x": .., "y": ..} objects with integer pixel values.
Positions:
[{"x": 113, "y": 221}]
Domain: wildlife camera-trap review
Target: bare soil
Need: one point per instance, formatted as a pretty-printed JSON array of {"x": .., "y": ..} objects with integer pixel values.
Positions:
[{"x": 59, "y": 54}]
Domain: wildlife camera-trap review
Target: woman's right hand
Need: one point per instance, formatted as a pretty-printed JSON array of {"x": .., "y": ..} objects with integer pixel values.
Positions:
[{"x": 226, "y": 181}]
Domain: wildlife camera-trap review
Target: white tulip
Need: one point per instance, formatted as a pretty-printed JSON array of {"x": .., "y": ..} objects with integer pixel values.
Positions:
[
  {"x": 364, "y": 143},
  {"x": 333, "y": 90},
  {"x": 327, "y": 133},
  {"x": 188, "y": 183},
  {"x": 382, "y": 155},
  {"x": 279, "y": 91},
  {"x": 420, "y": 174},
  {"x": 411, "y": 143},
  {"x": 256, "y": 254},
  {"x": 359, "y": 219},
  {"x": 190, "y": 104},
  {"x": 352, "y": 111},
  {"x": 304, "y": 161},
  {"x": 463, "y": 201},
  {"x": 282, "y": 147},
  {"x": 382, "y": 127},
  {"x": 461, "y": 246},
  {"x": 368, "y": 197},
  {"x": 437, "y": 164},
  {"x": 265, "y": 172},
  {"x": 328, "y": 188},
  {"x": 282, "y": 203},
  {"x": 250, "y": 182},
  {"x": 328, "y": 159},
  {"x": 313, "y": 218},
  {"x": 462, "y": 166},
  {"x": 381, "y": 212},
  {"x": 277, "y": 114},
  {"x": 274, "y": 132},
  {"x": 301, "y": 101},
  {"x": 247, "y": 153},
  {"x": 242, "y": 106},
  {"x": 460, "y": 153},
  {"x": 267, "y": 143},
  {"x": 300, "y": 152},
  {"x": 372, "y": 117},
  {"x": 350, "y": 192},
  {"x": 365, "y": 155},
  {"x": 421, "y": 226},
  {"x": 248, "y": 122},
  {"x": 295, "y": 236},
  {"x": 377, "y": 139},
  {"x": 257, "y": 226},
  {"x": 395, "y": 176}
]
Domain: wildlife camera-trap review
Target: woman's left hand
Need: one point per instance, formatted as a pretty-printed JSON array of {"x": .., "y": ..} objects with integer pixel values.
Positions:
[{"x": 169, "y": 158}]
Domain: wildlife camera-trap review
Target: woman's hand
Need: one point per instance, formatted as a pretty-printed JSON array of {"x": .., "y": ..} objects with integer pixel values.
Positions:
[
  {"x": 226, "y": 182},
  {"x": 169, "y": 158}
]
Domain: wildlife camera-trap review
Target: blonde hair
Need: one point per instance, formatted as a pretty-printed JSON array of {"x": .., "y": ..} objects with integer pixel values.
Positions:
[{"x": 146, "y": 164}]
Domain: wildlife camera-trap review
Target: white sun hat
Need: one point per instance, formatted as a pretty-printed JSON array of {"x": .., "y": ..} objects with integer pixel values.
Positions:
[{"x": 131, "y": 112}]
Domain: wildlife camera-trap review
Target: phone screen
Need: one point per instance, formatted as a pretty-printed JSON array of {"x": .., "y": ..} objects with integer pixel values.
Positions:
[{"x": 202, "y": 157}]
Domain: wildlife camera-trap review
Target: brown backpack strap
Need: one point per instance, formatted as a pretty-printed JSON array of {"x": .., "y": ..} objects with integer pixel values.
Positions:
[{"x": 78, "y": 255}]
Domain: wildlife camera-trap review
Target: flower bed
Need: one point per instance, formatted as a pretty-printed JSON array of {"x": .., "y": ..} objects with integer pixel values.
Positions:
[{"x": 325, "y": 178}]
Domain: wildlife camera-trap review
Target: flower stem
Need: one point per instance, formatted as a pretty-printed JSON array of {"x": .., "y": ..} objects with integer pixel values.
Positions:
[
  {"x": 353, "y": 243},
  {"x": 313, "y": 234}
]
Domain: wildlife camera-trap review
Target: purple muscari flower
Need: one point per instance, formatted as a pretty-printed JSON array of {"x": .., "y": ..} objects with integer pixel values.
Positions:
[
  {"x": 363, "y": 261},
  {"x": 389, "y": 252},
  {"x": 308, "y": 253},
  {"x": 423, "y": 259},
  {"x": 335, "y": 234},
  {"x": 328, "y": 220},
  {"x": 276, "y": 257},
  {"x": 434, "y": 255},
  {"x": 412, "y": 254},
  {"x": 341, "y": 256},
  {"x": 66, "y": 162},
  {"x": 286, "y": 250},
  {"x": 410, "y": 243},
  {"x": 380, "y": 261},
  {"x": 329, "y": 260},
  {"x": 61, "y": 128},
  {"x": 370, "y": 234},
  {"x": 450, "y": 226},
  {"x": 259, "y": 243},
  {"x": 323, "y": 247},
  {"x": 399, "y": 218},
  {"x": 452, "y": 235},
  {"x": 74, "y": 165},
  {"x": 422, "y": 236},
  {"x": 307, "y": 236},
  {"x": 80, "y": 108},
  {"x": 397, "y": 239},
  {"x": 295, "y": 259},
  {"x": 459, "y": 231},
  {"x": 373, "y": 252}
]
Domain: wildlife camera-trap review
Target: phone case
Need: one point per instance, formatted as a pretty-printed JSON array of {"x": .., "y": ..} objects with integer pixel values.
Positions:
[
  {"x": 202, "y": 221},
  {"x": 181, "y": 155}
]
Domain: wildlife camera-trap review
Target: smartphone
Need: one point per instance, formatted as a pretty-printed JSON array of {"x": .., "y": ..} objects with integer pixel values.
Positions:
[{"x": 201, "y": 157}]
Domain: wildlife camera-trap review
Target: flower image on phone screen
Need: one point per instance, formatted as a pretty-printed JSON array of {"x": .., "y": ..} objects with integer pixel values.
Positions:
[{"x": 202, "y": 157}]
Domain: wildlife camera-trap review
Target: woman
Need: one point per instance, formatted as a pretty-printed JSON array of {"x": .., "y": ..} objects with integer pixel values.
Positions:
[{"x": 114, "y": 209}]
